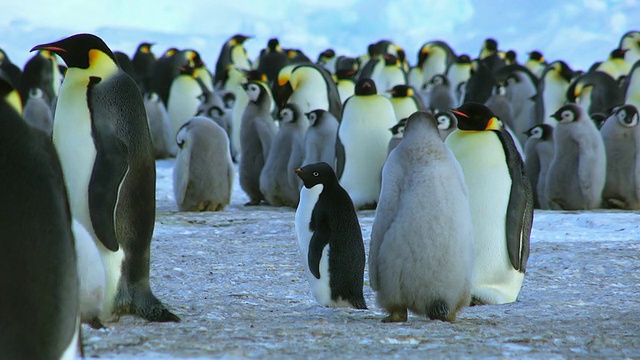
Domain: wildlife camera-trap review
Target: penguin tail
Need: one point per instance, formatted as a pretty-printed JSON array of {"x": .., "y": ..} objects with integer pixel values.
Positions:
[{"x": 438, "y": 310}]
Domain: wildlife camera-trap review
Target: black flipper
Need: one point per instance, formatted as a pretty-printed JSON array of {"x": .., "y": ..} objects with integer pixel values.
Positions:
[
  {"x": 319, "y": 240},
  {"x": 520, "y": 211}
]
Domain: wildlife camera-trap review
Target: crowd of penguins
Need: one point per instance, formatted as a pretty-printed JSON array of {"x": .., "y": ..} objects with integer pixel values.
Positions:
[{"x": 480, "y": 141}]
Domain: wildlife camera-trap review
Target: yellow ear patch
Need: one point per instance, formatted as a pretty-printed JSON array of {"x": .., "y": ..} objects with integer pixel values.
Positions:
[
  {"x": 493, "y": 124},
  {"x": 13, "y": 98}
]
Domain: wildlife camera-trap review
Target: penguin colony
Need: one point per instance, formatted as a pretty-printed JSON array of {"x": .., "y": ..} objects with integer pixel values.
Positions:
[{"x": 576, "y": 130}]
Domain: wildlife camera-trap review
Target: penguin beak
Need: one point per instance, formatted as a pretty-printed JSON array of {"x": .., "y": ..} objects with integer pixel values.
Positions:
[
  {"x": 51, "y": 47},
  {"x": 298, "y": 171},
  {"x": 457, "y": 112}
]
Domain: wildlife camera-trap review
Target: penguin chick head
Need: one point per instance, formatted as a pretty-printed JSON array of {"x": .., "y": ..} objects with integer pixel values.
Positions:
[
  {"x": 290, "y": 113},
  {"x": 568, "y": 113},
  {"x": 398, "y": 129},
  {"x": 318, "y": 173},
  {"x": 540, "y": 131},
  {"x": 314, "y": 116},
  {"x": 446, "y": 120},
  {"x": 475, "y": 116},
  {"x": 80, "y": 50},
  {"x": 627, "y": 115},
  {"x": 365, "y": 87}
]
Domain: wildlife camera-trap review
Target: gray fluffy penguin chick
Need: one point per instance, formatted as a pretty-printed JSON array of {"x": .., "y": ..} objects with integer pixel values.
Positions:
[
  {"x": 577, "y": 172},
  {"x": 621, "y": 136},
  {"x": 257, "y": 131},
  {"x": 278, "y": 182},
  {"x": 159, "y": 127},
  {"x": 397, "y": 131},
  {"x": 219, "y": 108},
  {"x": 538, "y": 150},
  {"x": 37, "y": 111},
  {"x": 203, "y": 173},
  {"x": 441, "y": 95},
  {"x": 421, "y": 258},
  {"x": 320, "y": 138},
  {"x": 447, "y": 123}
]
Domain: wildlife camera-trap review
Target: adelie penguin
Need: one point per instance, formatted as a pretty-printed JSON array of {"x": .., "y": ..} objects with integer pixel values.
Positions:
[
  {"x": 101, "y": 136},
  {"x": 329, "y": 239},
  {"x": 501, "y": 201}
]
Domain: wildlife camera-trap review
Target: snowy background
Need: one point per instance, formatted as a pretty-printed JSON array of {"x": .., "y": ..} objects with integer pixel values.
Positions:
[{"x": 578, "y": 31}]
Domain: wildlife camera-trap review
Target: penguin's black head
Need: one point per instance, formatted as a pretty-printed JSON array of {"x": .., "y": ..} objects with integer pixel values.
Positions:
[
  {"x": 238, "y": 39},
  {"x": 79, "y": 50},
  {"x": 318, "y": 173},
  {"x": 145, "y": 47},
  {"x": 400, "y": 91},
  {"x": 390, "y": 60},
  {"x": 314, "y": 116},
  {"x": 273, "y": 44},
  {"x": 365, "y": 87},
  {"x": 398, "y": 128},
  {"x": 476, "y": 116},
  {"x": 536, "y": 55},
  {"x": 618, "y": 54},
  {"x": 568, "y": 113},
  {"x": 491, "y": 44},
  {"x": 540, "y": 131},
  {"x": 511, "y": 57}
]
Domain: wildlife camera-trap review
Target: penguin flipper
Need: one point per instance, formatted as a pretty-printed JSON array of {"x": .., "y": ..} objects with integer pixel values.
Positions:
[
  {"x": 319, "y": 240},
  {"x": 519, "y": 218}
]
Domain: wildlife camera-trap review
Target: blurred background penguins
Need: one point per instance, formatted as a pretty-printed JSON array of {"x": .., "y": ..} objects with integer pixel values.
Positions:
[
  {"x": 364, "y": 133},
  {"x": 329, "y": 239},
  {"x": 577, "y": 172},
  {"x": 501, "y": 201},
  {"x": 320, "y": 138},
  {"x": 256, "y": 134},
  {"x": 538, "y": 150},
  {"x": 621, "y": 136},
  {"x": 159, "y": 126},
  {"x": 102, "y": 138},
  {"x": 203, "y": 172},
  {"x": 37, "y": 111},
  {"x": 278, "y": 182},
  {"x": 421, "y": 258},
  {"x": 38, "y": 273}
]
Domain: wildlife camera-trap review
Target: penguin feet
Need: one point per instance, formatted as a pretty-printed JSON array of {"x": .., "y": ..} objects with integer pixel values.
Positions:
[
  {"x": 252, "y": 203},
  {"x": 359, "y": 304},
  {"x": 145, "y": 305},
  {"x": 396, "y": 315},
  {"x": 95, "y": 323}
]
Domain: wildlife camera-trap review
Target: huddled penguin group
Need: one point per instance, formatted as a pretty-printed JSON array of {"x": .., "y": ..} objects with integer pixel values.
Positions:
[{"x": 482, "y": 141}]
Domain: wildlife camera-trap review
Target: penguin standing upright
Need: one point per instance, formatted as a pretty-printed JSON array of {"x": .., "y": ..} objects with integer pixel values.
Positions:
[
  {"x": 421, "y": 258},
  {"x": 203, "y": 173},
  {"x": 447, "y": 123},
  {"x": 440, "y": 94},
  {"x": 184, "y": 98},
  {"x": 364, "y": 133},
  {"x": 397, "y": 133},
  {"x": 38, "y": 273},
  {"x": 621, "y": 137},
  {"x": 458, "y": 74},
  {"x": 388, "y": 74},
  {"x": 536, "y": 63},
  {"x": 346, "y": 69},
  {"x": 615, "y": 66},
  {"x": 538, "y": 150},
  {"x": 630, "y": 41},
  {"x": 313, "y": 88},
  {"x": 219, "y": 108},
  {"x": 521, "y": 88},
  {"x": 596, "y": 92},
  {"x": 577, "y": 172},
  {"x": 272, "y": 60},
  {"x": 329, "y": 239},
  {"x": 233, "y": 54},
  {"x": 37, "y": 111},
  {"x": 159, "y": 126},
  {"x": 434, "y": 57},
  {"x": 256, "y": 134},
  {"x": 501, "y": 201},
  {"x": 101, "y": 135},
  {"x": 143, "y": 61},
  {"x": 405, "y": 101},
  {"x": 278, "y": 182},
  {"x": 41, "y": 71},
  {"x": 320, "y": 138},
  {"x": 552, "y": 91}
]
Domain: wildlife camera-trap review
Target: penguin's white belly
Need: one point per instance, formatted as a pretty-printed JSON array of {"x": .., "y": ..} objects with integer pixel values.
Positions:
[
  {"x": 309, "y": 98},
  {"x": 553, "y": 98},
  {"x": 71, "y": 351},
  {"x": 487, "y": 177},
  {"x": 112, "y": 262},
  {"x": 183, "y": 102},
  {"x": 91, "y": 273}
]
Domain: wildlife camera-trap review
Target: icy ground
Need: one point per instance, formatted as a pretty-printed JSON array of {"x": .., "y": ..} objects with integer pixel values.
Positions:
[{"x": 235, "y": 279}]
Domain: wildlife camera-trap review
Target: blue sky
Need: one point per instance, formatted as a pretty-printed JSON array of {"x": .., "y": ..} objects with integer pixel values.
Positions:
[{"x": 579, "y": 31}]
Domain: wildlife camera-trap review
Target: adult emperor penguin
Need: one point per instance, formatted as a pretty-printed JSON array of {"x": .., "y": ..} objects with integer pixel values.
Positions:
[
  {"x": 320, "y": 138},
  {"x": 232, "y": 53},
  {"x": 436, "y": 279},
  {"x": 256, "y": 134},
  {"x": 458, "y": 73},
  {"x": 434, "y": 57},
  {"x": 364, "y": 133},
  {"x": 272, "y": 60},
  {"x": 184, "y": 98},
  {"x": 203, "y": 173},
  {"x": 538, "y": 149},
  {"x": 329, "y": 239},
  {"x": 38, "y": 274},
  {"x": 313, "y": 88},
  {"x": 621, "y": 136},
  {"x": 143, "y": 62},
  {"x": 101, "y": 136},
  {"x": 41, "y": 71},
  {"x": 536, "y": 63},
  {"x": 501, "y": 201},
  {"x": 405, "y": 101},
  {"x": 389, "y": 74},
  {"x": 615, "y": 65},
  {"x": 577, "y": 172},
  {"x": 630, "y": 41},
  {"x": 278, "y": 182},
  {"x": 552, "y": 91},
  {"x": 631, "y": 88},
  {"x": 595, "y": 92}
]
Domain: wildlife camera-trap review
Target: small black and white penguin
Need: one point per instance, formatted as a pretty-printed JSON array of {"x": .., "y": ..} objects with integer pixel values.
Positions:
[
  {"x": 218, "y": 106},
  {"x": 41, "y": 71},
  {"x": 447, "y": 123},
  {"x": 621, "y": 136},
  {"x": 501, "y": 200},
  {"x": 37, "y": 111},
  {"x": 329, "y": 239},
  {"x": 320, "y": 138},
  {"x": 203, "y": 173},
  {"x": 256, "y": 134},
  {"x": 521, "y": 88},
  {"x": 421, "y": 258},
  {"x": 577, "y": 172},
  {"x": 538, "y": 149},
  {"x": 397, "y": 133},
  {"x": 38, "y": 275},
  {"x": 101, "y": 135}
]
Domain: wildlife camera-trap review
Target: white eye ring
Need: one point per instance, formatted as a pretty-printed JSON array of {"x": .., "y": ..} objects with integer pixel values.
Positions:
[{"x": 315, "y": 173}]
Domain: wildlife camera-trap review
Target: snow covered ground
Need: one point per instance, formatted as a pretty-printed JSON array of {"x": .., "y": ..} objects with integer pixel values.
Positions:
[{"x": 235, "y": 279}]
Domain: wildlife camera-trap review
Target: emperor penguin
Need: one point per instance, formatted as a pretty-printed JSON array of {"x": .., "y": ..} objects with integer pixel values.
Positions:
[
  {"x": 232, "y": 53},
  {"x": 595, "y": 92},
  {"x": 256, "y": 134},
  {"x": 159, "y": 126},
  {"x": 165, "y": 69},
  {"x": 320, "y": 138},
  {"x": 313, "y": 88},
  {"x": 278, "y": 182},
  {"x": 233, "y": 85},
  {"x": 552, "y": 91},
  {"x": 434, "y": 57},
  {"x": 38, "y": 274},
  {"x": 143, "y": 61},
  {"x": 364, "y": 134},
  {"x": 41, "y": 71},
  {"x": 92, "y": 278},
  {"x": 577, "y": 172},
  {"x": 458, "y": 73},
  {"x": 631, "y": 88},
  {"x": 621, "y": 136},
  {"x": 272, "y": 60},
  {"x": 421, "y": 259},
  {"x": 203, "y": 173},
  {"x": 615, "y": 65},
  {"x": 630, "y": 41},
  {"x": 405, "y": 101},
  {"x": 37, "y": 111},
  {"x": 184, "y": 98},
  {"x": 536, "y": 63},
  {"x": 397, "y": 133},
  {"x": 101, "y": 135},
  {"x": 538, "y": 149},
  {"x": 521, "y": 89},
  {"x": 389, "y": 74},
  {"x": 501, "y": 201},
  {"x": 329, "y": 239},
  {"x": 447, "y": 123}
]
